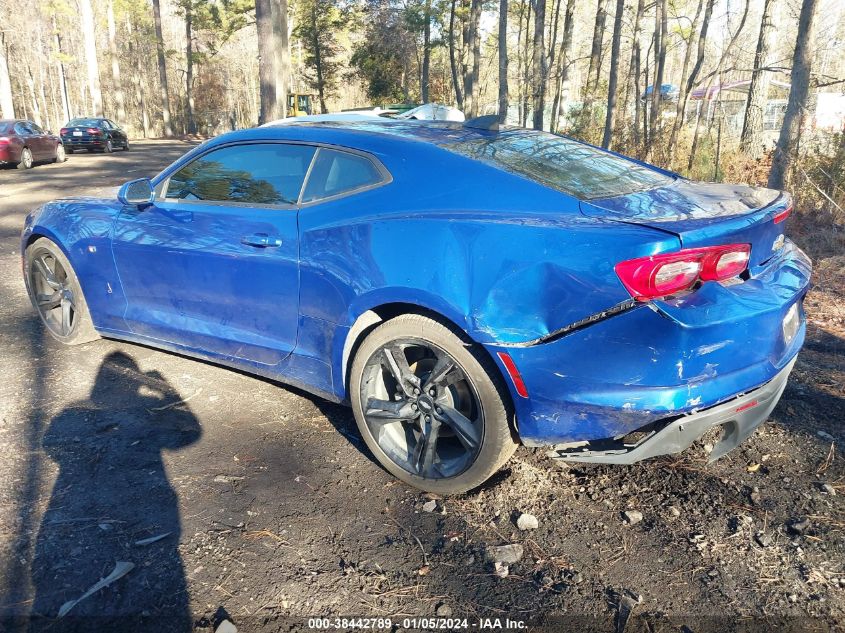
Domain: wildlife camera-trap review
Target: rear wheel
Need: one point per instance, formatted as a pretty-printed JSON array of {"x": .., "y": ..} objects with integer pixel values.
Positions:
[
  {"x": 60, "y": 154},
  {"x": 109, "y": 148},
  {"x": 430, "y": 405},
  {"x": 55, "y": 292},
  {"x": 26, "y": 159}
]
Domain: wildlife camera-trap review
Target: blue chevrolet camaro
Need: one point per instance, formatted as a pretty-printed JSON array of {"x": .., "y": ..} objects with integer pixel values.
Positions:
[{"x": 465, "y": 288}]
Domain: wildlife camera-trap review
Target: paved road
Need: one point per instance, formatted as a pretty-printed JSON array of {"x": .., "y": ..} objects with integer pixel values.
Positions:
[{"x": 268, "y": 506}]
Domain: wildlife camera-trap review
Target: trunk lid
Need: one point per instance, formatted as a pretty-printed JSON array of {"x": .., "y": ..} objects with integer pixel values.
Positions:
[{"x": 703, "y": 214}]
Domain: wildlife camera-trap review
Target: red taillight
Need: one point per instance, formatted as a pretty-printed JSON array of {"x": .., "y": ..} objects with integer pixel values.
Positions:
[
  {"x": 513, "y": 372},
  {"x": 4, "y": 140},
  {"x": 93, "y": 130},
  {"x": 63, "y": 131},
  {"x": 780, "y": 217},
  {"x": 670, "y": 273}
]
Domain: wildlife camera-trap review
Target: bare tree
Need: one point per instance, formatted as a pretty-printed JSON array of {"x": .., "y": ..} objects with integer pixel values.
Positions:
[
  {"x": 281, "y": 47},
  {"x": 116, "y": 87},
  {"x": 473, "y": 43},
  {"x": 614, "y": 73},
  {"x": 503, "y": 60},
  {"x": 426, "y": 64},
  {"x": 267, "y": 74},
  {"x": 7, "y": 105},
  {"x": 564, "y": 60},
  {"x": 162, "y": 70},
  {"x": 188, "y": 7},
  {"x": 538, "y": 90},
  {"x": 751, "y": 141},
  {"x": 90, "y": 45},
  {"x": 799, "y": 92},
  {"x": 594, "y": 69},
  {"x": 660, "y": 33},
  {"x": 453, "y": 62}
]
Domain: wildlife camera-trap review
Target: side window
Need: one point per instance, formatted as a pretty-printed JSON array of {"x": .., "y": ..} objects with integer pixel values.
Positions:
[
  {"x": 339, "y": 172},
  {"x": 106, "y": 125},
  {"x": 262, "y": 173},
  {"x": 34, "y": 128},
  {"x": 22, "y": 129}
]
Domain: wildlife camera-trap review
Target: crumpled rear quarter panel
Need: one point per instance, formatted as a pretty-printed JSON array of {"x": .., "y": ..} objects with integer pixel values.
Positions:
[{"x": 663, "y": 359}]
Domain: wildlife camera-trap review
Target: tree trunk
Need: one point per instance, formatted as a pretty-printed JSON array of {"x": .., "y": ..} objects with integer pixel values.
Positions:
[
  {"x": 474, "y": 47},
  {"x": 115, "y": 66},
  {"x": 7, "y": 105},
  {"x": 453, "y": 63},
  {"x": 799, "y": 93},
  {"x": 90, "y": 45},
  {"x": 593, "y": 70},
  {"x": 614, "y": 73},
  {"x": 540, "y": 69},
  {"x": 526, "y": 66},
  {"x": 426, "y": 65},
  {"x": 634, "y": 70},
  {"x": 688, "y": 80},
  {"x": 660, "y": 32},
  {"x": 266, "y": 61},
  {"x": 162, "y": 71},
  {"x": 503, "y": 60},
  {"x": 564, "y": 61},
  {"x": 751, "y": 139},
  {"x": 716, "y": 74},
  {"x": 63, "y": 93},
  {"x": 318, "y": 59},
  {"x": 282, "y": 54},
  {"x": 189, "y": 66}
]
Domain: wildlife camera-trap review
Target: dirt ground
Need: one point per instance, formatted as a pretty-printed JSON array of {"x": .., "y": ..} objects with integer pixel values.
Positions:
[{"x": 273, "y": 511}]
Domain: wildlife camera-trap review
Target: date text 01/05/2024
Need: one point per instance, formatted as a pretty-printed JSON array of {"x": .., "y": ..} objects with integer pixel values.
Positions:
[{"x": 442, "y": 624}]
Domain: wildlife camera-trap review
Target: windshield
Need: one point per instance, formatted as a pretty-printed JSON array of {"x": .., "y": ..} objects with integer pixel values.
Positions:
[
  {"x": 84, "y": 122},
  {"x": 580, "y": 170}
]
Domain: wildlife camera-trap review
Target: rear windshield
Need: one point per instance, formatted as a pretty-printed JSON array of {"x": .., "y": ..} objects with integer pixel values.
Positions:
[
  {"x": 5, "y": 128},
  {"x": 569, "y": 166},
  {"x": 84, "y": 123}
]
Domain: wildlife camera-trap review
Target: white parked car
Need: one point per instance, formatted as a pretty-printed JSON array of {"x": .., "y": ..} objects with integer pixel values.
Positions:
[{"x": 433, "y": 112}]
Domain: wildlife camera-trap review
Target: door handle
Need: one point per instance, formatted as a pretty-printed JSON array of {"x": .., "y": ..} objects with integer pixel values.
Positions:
[{"x": 261, "y": 240}]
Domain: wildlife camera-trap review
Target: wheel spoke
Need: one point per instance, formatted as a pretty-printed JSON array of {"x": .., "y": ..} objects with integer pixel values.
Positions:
[
  {"x": 66, "y": 316},
  {"x": 47, "y": 274},
  {"x": 398, "y": 366},
  {"x": 463, "y": 428},
  {"x": 445, "y": 373},
  {"x": 386, "y": 411},
  {"x": 48, "y": 302},
  {"x": 430, "y": 450}
]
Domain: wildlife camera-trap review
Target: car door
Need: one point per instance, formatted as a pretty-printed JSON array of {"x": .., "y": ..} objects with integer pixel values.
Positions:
[
  {"x": 117, "y": 132},
  {"x": 29, "y": 138},
  {"x": 213, "y": 264},
  {"x": 41, "y": 141}
]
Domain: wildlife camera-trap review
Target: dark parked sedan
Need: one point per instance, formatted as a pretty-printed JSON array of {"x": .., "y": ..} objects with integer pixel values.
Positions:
[
  {"x": 23, "y": 143},
  {"x": 93, "y": 134}
]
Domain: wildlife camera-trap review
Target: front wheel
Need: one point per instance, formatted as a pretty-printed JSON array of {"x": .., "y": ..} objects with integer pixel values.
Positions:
[
  {"x": 55, "y": 292},
  {"x": 430, "y": 405}
]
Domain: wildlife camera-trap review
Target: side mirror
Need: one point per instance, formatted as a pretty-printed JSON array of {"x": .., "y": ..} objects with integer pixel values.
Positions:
[{"x": 137, "y": 192}]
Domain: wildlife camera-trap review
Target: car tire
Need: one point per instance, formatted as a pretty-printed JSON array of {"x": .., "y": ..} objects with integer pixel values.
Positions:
[
  {"x": 64, "y": 282},
  {"x": 108, "y": 148},
  {"x": 473, "y": 384},
  {"x": 60, "y": 154},
  {"x": 26, "y": 159}
]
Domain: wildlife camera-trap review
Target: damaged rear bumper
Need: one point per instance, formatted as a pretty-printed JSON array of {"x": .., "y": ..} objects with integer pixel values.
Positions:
[{"x": 738, "y": 418}]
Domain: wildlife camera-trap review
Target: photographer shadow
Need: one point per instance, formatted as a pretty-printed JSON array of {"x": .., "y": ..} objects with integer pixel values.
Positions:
[{"x": 111, "y": 497}]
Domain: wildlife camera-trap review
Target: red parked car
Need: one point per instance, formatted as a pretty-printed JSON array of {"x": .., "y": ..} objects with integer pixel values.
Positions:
[{"x": 23, "y": 143}]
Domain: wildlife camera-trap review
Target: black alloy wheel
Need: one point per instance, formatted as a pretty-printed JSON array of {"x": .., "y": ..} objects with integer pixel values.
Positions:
[
  {"x": 430, "y": 404},
  {"x": 422, "y": 409}
]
